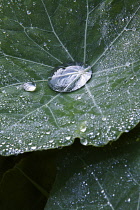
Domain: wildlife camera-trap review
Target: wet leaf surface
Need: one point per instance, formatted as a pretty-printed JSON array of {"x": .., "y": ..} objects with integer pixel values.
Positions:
[
  {"x": 36, "y": 37},
  {"x": 98, "y": 178},
  {"x": 74, "y": 177}
]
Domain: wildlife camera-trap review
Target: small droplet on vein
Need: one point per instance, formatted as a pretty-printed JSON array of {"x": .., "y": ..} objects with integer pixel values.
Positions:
[{"x": 29, "y": 86}]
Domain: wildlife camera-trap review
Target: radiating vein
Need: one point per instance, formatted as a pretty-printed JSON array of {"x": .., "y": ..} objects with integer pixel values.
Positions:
[
  {"x": 14, "y": 84},
  {"x": 136, "y": 182},
  {"x": 97, "y": 180},
  {"x": 20, "y": 83},
  {"x": 24, "y": 29},
  {"x": 93, "y": 100},
  {"x": 85, "y": 37},
  {"x": 53, "y": 30},
  {"x": 34, "y": 111},
  {"x": 86, "y": 26},
  {"x": 53, "y": 116},
  {"x": 40, "y": 46},
  {"x": 26, "y": 60},
  {"x": 93, "y": 64},
  {"x": 100, "y": 186},
  {"x": 138, "y": 206}
]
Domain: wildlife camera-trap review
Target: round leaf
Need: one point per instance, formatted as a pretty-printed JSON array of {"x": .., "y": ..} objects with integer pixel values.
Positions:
[{"x": 38, "y": 36}]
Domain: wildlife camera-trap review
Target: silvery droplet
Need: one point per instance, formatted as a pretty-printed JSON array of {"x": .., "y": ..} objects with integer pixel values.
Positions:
[
  {"x": 29, "y": 86},
  {"x": 70, "y": 77}
]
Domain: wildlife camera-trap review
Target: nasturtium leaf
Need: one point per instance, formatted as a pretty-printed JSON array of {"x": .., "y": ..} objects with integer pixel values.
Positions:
[
  {"x": 70, "y": 78},
  {"x": 97, "y": 178},
  {"x": 26, "y": 180},
  {"x": 37, "y": 36}
]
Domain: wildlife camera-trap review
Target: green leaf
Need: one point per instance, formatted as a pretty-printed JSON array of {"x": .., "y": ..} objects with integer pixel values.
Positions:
[
  {"x": 26, "y": 179},
  {"x": 27, "y": 184},
  {"x": 98, "y": 178},
  {"x": 37, "y": 36}
]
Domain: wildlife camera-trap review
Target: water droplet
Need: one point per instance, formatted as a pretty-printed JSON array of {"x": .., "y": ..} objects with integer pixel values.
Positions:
[
  {"x": 128, "y": 91},
  {"x": 79, "y": 97},
  {"x": 127, "y": 64},
  {"x": 133, "y": 29},
  {"x": 51, "y": 141},
  {"x": 33, "y": 147},
  {"x": 128, "y": 200},
  {"x": 68, "y": 138},
  {"x": 29, "y": 86},
  {"x": 28, "y": 12},
  {"x": 84, "y": 142},
  {"x": 103, "y": 118},
  {"x": 83, "y": 129},
  {"x": 70, "y": 77},
  {"x": 48, "y": 132}
]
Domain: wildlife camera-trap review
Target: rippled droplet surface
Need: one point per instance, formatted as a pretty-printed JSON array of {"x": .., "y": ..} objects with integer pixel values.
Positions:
[
  {"x": 70, "y": 78},
  {"x": 29, "y": 86}
]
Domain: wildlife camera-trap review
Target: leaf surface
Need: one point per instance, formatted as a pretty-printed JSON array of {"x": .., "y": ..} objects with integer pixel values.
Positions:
[
  {"x": 36, "y": 37},
  {"x": 98, "y": 178}
]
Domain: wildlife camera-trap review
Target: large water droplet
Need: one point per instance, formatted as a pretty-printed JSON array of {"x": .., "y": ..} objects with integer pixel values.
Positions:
[{"x": 70, "y": 78}]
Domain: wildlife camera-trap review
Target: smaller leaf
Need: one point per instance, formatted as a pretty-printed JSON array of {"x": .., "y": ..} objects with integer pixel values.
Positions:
[{"x": 70, "y": 78}]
